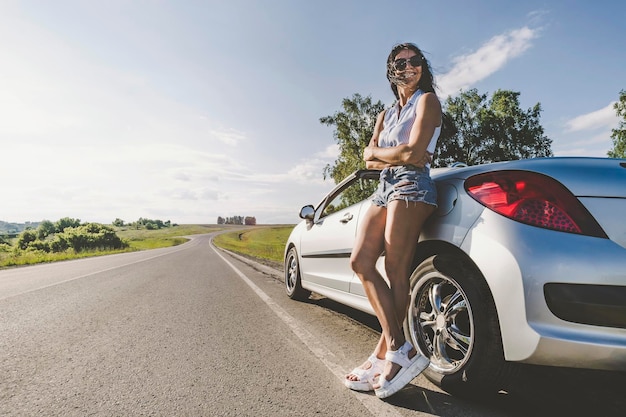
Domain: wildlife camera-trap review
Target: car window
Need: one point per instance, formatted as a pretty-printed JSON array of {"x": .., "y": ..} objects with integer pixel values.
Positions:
[{"x": 355, "y": 192}]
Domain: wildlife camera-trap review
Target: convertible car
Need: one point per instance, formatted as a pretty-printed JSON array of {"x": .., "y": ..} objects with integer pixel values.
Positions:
[{"x": 522, "y": 262}]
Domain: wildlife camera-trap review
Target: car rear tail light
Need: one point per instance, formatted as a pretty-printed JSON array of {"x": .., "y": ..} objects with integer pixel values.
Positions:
[{"x": 534, "y": 199}]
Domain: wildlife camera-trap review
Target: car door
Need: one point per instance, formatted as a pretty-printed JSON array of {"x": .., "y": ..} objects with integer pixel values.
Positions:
[{"x": 327, "y": 243}]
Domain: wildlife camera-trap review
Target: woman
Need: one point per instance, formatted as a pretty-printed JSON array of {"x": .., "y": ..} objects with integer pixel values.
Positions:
[{"x": 404, "y": 139}]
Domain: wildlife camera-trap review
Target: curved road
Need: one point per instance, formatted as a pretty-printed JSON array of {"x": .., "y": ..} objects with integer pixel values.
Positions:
[{"x": 194, "y": 331}]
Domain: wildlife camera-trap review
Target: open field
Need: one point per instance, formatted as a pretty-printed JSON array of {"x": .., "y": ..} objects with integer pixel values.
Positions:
[{"x": 171, "y": 236}]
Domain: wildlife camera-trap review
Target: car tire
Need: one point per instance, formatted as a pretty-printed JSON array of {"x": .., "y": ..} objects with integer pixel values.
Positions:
[
  {"x": 452, "y": 320},
  {"x": 293, "y": 284}
]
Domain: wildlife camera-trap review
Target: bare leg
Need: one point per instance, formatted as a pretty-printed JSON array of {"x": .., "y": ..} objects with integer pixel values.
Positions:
[
  {"x": 368, "y": 247},
  {"x": 403, "y": 226}
]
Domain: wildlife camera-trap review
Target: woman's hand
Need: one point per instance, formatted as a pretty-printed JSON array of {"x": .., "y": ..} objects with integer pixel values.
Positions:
[
  {"x": 426, "y": 159},
  {"x": 368, "y": 153}
]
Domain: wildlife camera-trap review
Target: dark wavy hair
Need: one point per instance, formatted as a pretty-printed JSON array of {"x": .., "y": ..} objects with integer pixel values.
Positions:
[{"x": 426, "y": 82}]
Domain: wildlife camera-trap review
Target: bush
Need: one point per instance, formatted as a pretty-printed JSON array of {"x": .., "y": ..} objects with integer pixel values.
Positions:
[
  {"x": 59, "y": 243},
  {"x": 86, "y": 237},
  {"x": 25, "y": 238},
  {"x": 39, "y": 245},
  {"x": 92, "y": 236}
]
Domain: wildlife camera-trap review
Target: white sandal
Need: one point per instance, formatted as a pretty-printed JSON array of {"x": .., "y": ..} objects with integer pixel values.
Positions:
[
  {"x": 367, "y": 377},
  {"x": 411, "y": 367}
]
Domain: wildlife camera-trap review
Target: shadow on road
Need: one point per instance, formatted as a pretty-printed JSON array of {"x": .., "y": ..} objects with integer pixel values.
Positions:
[{"x": 535, "y": 391}]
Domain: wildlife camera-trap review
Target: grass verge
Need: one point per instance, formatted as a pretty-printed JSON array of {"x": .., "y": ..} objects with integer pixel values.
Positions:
[
  {"x": 262, "y": 242},
  {"x": 9, "y": 259}
]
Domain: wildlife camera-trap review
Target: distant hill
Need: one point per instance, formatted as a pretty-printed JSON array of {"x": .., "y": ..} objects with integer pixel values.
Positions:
[{"x": 15, "y": 228}]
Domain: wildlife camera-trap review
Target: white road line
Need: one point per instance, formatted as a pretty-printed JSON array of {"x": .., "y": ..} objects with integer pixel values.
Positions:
[{"x": 369, "y": 401}]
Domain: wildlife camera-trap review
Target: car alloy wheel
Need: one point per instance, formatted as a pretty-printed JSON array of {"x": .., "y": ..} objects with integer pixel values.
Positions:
[
  {"x": 452, "y": 320},
  {"x": 442, "y": 320}
]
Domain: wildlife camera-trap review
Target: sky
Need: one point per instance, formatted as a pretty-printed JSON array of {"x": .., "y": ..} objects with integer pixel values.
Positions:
[{"x": 186, "y": 110}]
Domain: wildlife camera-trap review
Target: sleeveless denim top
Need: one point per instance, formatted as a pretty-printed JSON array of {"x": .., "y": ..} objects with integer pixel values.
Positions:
[{"x": 397, "y": 127}]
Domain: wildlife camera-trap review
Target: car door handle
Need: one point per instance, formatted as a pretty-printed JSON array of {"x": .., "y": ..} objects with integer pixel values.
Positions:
[{"x": 346, "y": 218}]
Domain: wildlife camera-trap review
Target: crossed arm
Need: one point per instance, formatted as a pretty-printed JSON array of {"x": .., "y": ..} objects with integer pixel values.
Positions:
[{"x": 428, "y": 117}]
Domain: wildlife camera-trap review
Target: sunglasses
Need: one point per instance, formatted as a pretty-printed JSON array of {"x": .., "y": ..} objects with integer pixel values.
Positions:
[{"x": 400, "y": 64}]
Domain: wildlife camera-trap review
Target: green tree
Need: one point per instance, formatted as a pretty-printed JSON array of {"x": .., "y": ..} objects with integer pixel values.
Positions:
[
  {"x": 150, "y": 224},
  {"x": 354, "y": 126},
  {"x": 619, "y": 135},
  {"x": 491, "y": 130},
  {"x": 66, "y": 222},
  {"x": 45, "y": 229}
]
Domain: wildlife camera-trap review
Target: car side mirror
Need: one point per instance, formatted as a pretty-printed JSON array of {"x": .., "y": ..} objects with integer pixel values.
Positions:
[{"x": 307, "y": 212}]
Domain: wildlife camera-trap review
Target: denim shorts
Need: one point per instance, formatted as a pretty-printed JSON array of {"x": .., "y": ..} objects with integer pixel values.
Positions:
[{"x": 405, "y": 182}]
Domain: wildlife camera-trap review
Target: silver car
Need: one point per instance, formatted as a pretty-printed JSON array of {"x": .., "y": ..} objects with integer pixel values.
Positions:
[{"x": 523, "y": 261}]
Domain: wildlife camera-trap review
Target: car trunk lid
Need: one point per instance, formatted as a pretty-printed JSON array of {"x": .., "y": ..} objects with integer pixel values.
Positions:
[{"x": 600, "y": 184}]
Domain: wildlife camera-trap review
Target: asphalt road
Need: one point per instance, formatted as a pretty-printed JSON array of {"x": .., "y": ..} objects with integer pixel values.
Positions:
[{"x": 191, "y": 331}]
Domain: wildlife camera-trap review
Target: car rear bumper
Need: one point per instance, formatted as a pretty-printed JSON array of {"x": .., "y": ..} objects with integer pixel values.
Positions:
[{"x": 549, "y": 294}]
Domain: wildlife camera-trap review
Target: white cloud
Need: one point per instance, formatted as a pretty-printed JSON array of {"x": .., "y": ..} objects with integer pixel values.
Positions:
[
  {"x": 229, "y": 136},
  {"x": 605, "y": 118},
  {"x": 331, "y": 152},
  {"x": 493, "y": 55},
  {"x": 310, "y": 170},
  {"x": 537, "y": 16}
]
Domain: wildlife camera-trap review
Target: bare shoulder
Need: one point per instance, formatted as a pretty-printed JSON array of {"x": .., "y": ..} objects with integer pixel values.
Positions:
[
  {"x": 430, "y": 106},
  {"x": 430, "y": 100},
  {"x": 380, "y": 119}
]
